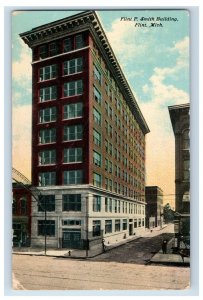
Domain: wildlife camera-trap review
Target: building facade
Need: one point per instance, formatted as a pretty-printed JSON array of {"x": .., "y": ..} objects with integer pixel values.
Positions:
[
  {"x": 180, "y": 119},
  {"x": 21, "y": 215},
  {"x": 88, "y": 137},
  {"x": 154, "y": 208}
]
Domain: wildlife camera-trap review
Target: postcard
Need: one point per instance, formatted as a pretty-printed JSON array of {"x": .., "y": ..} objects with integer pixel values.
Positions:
[{"x": 101, "y": 150}]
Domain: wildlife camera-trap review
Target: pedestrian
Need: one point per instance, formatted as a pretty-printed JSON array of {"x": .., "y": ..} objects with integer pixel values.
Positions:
[
  {"x": 164, "y": 246},
  {"x": 103, "y": 245}
]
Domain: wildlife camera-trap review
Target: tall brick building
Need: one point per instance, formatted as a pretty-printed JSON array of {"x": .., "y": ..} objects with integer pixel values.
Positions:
[
  {"x": 180, "y": 120},
  {"x": 88, "y": 137},
  {"x": 154, "y": 208}
]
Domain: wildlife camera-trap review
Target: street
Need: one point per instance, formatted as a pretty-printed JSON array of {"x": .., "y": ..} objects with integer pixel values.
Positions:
[
  {"x": 137, "y": 251},
  {"x": 122, "y": 268}
]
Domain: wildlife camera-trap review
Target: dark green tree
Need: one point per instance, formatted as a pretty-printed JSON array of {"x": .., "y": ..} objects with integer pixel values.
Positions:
[{"x": 168, "y": 213}]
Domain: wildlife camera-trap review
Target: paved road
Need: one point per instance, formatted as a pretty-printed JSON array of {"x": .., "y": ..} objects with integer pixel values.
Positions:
[
  {"x": 137, "y": 251},
  {"x": 113, "y": 270}
]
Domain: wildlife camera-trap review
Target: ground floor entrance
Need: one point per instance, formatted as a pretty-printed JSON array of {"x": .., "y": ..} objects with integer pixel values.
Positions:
[
  {"x": 20, "y": 235},
  {"x": 71, "y": 238}
]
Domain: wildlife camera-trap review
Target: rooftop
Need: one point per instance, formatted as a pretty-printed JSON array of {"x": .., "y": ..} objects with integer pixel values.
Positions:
[{"x": 87, "y": 20}]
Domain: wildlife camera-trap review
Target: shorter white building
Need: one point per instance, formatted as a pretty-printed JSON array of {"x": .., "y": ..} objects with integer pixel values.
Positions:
[{"x": 80, "y": 217}]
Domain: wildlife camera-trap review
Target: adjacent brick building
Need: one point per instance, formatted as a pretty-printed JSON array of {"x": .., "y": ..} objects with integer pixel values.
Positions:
[
  {"x": 180, "y": 119},
  {"x": 88, "y": 137},
  {"x": 154, "y": 208},
  {"x": 21, "y": 215}
]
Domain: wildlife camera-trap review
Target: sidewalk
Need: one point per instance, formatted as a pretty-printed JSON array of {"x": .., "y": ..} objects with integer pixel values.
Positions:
[
  {"x": 73, "y": 253},
  {"x": 169, "y": 258},
  {"x": 158, "y": 258}
]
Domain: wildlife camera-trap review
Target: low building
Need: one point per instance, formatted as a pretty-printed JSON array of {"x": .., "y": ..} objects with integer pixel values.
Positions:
[
  {"x": 154, "y": 208},
  {"x": 21, "y": 215}
]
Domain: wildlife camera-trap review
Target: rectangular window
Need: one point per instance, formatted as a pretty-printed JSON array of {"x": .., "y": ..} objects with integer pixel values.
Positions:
[
  {"x": 53, "y": 49},
  {"x": 46, "y": 202},
  {"x": 73, "y": 66},
  {"x": 47, "y": 114},
  {"x": 96, "y": 203},
  {"x": 186, "y": 166},
  {"x": 110, "y": 149},
  {"x": 73, "y": 88},
  {"x": 97, "y": 158},
  {"x": 23, "y": 206},
  {"x": 48, "y": 72},
  {"x": 115, "y": 187},
  {"x": 106, "y": 164},
  {"x": 97, "y": 116},
  {"x": 47, "y": 136},
  {"x": 135, "y": 223},
  {"x": 46, "y": 227},
  {"x": 106, "y": 127},
  {"x": 73, "y": 132},
  {"x": 97, "y": 138},
  {"x": 43, "y": 51},
  {"x": 106, "y": 146},
  {"x": 117, "y": 225},
  {"x": 67, "y": 45},
  {"x": 47, "y": 178},
  {"x": 73, "y": 110},
  {"x": 107, "y": 88},
  {"x": 97, "y": 180},
  {"x": 48, "y": 93},
  {"x": 69, "y": 222},
  {"x": 106, "y": 204},
  {"x": 110, "y": 112},
  {"x": 72, "y": 202},
  {"x": 79, "y": 41},
  {"x": 110, "y": 131},
  {"x": 115, "y": 206},
  {"x": 96, "y": 228},
  {"x": 97, "y": 95},
  {"x": 110, "y": 204},
  {"x": 47, "y": 157},
  {"x": 97, "y": 74},
  {"x": 106, "y": 183},
  {"x": 108, "y": 226},
  {"x": 72, "y": 155},
  {"x": 73, "y": 177},
  {"x": 119, "y": 206},
  {"x": 124, "y": 224},
  {"x": 110, "y": 185}
]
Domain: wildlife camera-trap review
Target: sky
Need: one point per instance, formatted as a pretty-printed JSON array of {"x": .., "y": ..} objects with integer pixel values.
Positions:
[{"x": 155, "y": 61}]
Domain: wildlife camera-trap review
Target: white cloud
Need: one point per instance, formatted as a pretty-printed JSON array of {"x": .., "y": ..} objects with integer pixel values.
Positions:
[
  {"x": 160, "y": 150},
  {"x": 162, "y": 93},
  {"x": 21, "y": 69},
  {"x": 122, "y": 37},
  {"x": 182, "y": 47}
]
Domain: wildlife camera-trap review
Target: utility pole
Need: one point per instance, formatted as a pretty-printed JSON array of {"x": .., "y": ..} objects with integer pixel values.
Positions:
[
  {"x": 87, "y": 228},
  {"x": 45, "y": 225}
]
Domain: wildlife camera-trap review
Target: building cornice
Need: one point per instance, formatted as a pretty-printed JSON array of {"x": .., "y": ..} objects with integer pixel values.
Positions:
[
  {"x": 87, "y": 20},
  {"x": 175, "y": 112}
]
